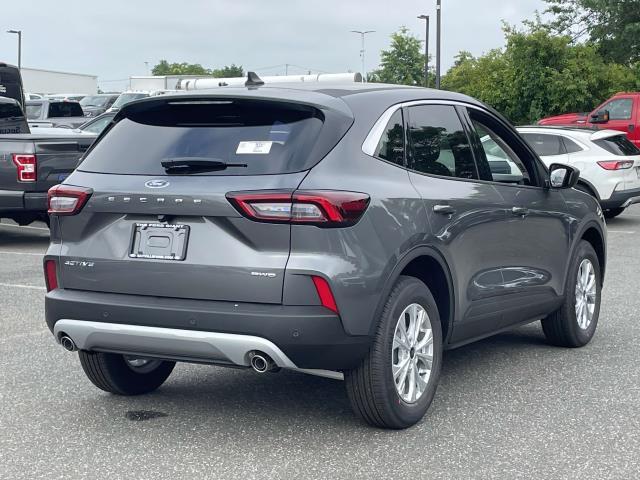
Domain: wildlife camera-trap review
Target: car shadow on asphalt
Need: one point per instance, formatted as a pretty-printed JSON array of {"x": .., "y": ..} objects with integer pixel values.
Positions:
[
  {"x": 211, "y": 395},
  {"x": 23, "y": 239}
]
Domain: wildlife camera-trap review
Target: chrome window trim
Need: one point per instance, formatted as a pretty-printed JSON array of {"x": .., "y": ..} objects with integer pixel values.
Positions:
[{"x": 375, "y": 134}]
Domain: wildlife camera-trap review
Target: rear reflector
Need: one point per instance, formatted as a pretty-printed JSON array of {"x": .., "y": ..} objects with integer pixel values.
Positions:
[
  {"x": 323, "y": 208},
  {"x": 27, "y": 167},
  {"x": 616, "y": 164},
  {"x": 67, "y": 200},
  {"x": 325, "y": 294},
  {"x": 50, "y": 275}
]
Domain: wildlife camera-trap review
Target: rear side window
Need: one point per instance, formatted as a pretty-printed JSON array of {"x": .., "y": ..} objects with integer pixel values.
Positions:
[
  {"x": 257, "y": 137},
  {"x": 570, "y": 146},
  {"x": 65, "y": 109},
  {"x": 545, "y": 145},
  {"x": 618, "y": 145},
  {"x": 391, "y": 144},
  {"x": 438, "y": 142}
]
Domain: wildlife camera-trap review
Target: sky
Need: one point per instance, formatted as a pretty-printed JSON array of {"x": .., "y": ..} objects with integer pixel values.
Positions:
[{"x": 114, "y": 39}]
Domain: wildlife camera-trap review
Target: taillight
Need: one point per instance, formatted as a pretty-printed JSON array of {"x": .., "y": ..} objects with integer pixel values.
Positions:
[
  {"x": 67, "y": 200},
  {"x": 616, "y": 164},
  {"x": 27, "y": 167},
  {"x": 325, "y": 294},
  {"x": 323, "y": 208},
  {"x": 50, "y": 275}
]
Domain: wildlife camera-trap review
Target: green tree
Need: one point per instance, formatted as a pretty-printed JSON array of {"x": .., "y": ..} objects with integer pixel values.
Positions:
[
  {"x": 614, "y": 26},
  {"x": 403, "y": 62},
  {"x": 165, "y": 68},
  {"x": 538, "y": 74},
  {"x": 229, "y": 71}
]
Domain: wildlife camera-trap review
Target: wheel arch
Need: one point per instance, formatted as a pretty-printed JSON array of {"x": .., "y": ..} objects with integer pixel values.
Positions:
[
  {"x": 592, "y": 234},
  {"x": 589, "y": 186},
  {"x": 429, "y": 266}
]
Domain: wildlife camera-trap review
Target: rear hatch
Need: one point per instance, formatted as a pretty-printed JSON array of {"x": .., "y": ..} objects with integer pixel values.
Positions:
[
  {"x": 618, "y": 145},
  {"x": 159, "y": 223}
]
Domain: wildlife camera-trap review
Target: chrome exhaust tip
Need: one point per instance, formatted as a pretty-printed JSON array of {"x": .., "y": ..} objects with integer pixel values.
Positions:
[
  {"x": 261, "y": 362},
  {"x": 68, "y": 344}
]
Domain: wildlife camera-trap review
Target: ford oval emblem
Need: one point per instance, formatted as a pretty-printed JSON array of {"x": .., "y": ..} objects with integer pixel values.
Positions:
[{"x": 156, "y": 184}]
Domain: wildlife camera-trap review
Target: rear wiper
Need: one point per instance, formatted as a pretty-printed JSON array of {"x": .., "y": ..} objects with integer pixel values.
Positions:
[{"x": 196, "y": 164}]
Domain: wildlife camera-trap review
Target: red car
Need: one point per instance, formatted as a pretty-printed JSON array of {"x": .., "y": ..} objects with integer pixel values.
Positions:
[{"x": 620, "y": 112}]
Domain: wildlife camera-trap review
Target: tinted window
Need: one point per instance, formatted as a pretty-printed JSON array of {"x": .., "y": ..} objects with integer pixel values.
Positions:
[
  {"x": 10, "y": 83},
  {"x": 619, "y": 109},
  {"x": 65, "y": 109},
  {"x": 10, "y": 110},
  {"x": 438, "y": 143},
  {"x": 570, "y": 146},
  {"x": 618, "y": 145},
  {"x": 94, "y": 101},
  {"x": 263, "y": 137},
  {"x": 34, "y": 111},
  {"x": 545, "y": 145},
  {"x": 391, "y": 144},
  {"x": 125, "y": 98}
]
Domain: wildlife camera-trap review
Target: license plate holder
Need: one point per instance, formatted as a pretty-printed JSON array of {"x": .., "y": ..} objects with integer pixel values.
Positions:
[{"x": 159, "y": 241}]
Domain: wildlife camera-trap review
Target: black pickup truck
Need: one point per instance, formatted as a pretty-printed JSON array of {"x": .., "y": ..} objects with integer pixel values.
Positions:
[{"x": 32, "y": 163}]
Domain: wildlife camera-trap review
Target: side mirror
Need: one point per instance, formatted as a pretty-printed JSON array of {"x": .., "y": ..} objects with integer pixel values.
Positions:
[
  {"x": 563, "y": 176},
  {"x": 601, "y": 116}
]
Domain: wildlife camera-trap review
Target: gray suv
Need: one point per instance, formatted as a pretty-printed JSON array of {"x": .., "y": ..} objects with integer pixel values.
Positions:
[{"x": 351, "y": 231}]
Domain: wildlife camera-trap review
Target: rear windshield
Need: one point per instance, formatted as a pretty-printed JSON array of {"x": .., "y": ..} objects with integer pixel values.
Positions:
[
  {"x": 94, "y": 101},
  {"x": 65, "y": 109},
  {"x": 257, "y": 137},
  {"x": 125, "y": 98},
  {"x": 618, "y": 145}
]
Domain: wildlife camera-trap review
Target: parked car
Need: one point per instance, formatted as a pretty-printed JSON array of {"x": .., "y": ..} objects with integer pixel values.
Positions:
[
  {"x": 32, "y": 163},
  {"x": 609, "y": 163},
  {"x": 92, "y": 127},
  {"x": 125, "y": 98},
  {"x": 94, "y": 105},
  {"x": 53, "y": 113},
  {"x": 66, "y": 97},
  {"x": 351, "y": 232},
  {"x": 621, "y": 112},
  {"x": 33, "y": 96},
  {"x": 12, "y": 119}
]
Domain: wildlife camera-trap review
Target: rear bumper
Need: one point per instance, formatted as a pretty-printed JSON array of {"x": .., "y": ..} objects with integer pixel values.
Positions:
[
  {"x": 19, "y": 201},
  {"x": 297, "y": 337},
  {"x": 621, "y": 199}
]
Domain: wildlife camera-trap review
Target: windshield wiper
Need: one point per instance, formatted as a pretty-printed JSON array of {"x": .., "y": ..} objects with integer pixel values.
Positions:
[{"x": 196, "y": 164}]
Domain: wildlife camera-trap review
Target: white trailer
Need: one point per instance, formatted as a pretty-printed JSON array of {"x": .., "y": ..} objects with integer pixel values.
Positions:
[
  {"x": 50, "y": 81},
  {"x": 206, "y": 83}
]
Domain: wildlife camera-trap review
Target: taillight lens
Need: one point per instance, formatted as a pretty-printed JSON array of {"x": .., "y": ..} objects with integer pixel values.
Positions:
[
  {"x": 67, "y": 199},
  {"x": 27, "y": 166},
  {"x": 50, "y": 275},
  {"x": 325, "y": 294},
  {"x": 323, "y": 208},
  {"x": 616, "y": 164}
]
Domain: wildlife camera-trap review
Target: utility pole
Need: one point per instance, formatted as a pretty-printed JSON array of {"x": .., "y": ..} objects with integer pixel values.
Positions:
[
  {"x": 146, "y": 67},
  {"x": 19, "y": 33},
  {"x": 438, "y": 51},
  {"x": 286, "y": 69},
  {"x": 426, "y": 49},
  {"x": 362, "y": 34}
]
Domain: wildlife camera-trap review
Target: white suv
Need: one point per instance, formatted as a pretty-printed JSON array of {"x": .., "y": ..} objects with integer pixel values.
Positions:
[{"x": 609, "y": 163}]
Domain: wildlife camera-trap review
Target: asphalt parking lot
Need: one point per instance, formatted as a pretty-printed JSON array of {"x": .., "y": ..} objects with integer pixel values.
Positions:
[{"x": 507, "y": 407}]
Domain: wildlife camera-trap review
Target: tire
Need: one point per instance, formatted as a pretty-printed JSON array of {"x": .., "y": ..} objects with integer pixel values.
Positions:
[
  {"x": 612, "y": 212},
  {"x": 562, "y": 327},
  {"x": 371, "y": 387},
  {"x": 113, "y": 373}
]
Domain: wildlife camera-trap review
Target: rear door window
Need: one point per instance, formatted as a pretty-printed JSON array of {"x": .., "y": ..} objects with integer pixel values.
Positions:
[
  {"x": 256, "y": 137},
  {"x": 618, "y": 145},
  {"x": 438, "y": 142}
]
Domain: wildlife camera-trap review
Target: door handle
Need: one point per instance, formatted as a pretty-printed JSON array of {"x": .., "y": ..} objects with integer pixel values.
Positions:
[
  {"x": 520, "y": 211},
  {"x": 444, "y": 209}
]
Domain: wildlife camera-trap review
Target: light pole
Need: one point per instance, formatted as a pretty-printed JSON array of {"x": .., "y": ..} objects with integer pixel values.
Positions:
[
  {"x": 19, "y": 33},
  {"x": 146, "y": 67},
  {"x": 362, "y": 34},
  {"x": 426, "y": 49},
  {"x": 438, "y": 54}
]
